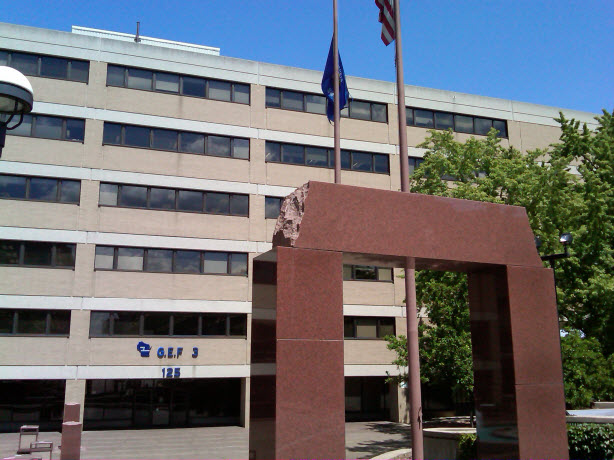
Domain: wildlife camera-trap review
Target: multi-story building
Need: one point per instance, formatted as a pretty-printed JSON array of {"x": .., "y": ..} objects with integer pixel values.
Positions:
[{"x": 134, "y": 197}]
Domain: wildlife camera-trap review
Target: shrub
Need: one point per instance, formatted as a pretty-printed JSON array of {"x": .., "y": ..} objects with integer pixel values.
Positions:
[
  {"x": 467, "y": 448},
  {"x": 591, "y": 441}
]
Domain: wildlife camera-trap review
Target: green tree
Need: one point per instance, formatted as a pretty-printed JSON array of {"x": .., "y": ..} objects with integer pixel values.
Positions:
[{"x": 556, "y": 200}]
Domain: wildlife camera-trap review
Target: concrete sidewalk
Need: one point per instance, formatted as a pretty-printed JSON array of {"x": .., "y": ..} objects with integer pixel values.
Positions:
[{"x": 363, "y": 440}]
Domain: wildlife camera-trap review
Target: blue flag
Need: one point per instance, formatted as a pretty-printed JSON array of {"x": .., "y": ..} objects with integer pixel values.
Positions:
[{"x": 328, "y": 88}]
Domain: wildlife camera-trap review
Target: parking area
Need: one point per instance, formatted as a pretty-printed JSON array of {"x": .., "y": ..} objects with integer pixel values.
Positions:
[{"x": 363, "y": 440}]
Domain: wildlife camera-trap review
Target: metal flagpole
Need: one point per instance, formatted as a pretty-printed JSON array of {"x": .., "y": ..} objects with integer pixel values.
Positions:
[
  {"x": 337, "y": 130},
  {"x": 413, "y": 355}
]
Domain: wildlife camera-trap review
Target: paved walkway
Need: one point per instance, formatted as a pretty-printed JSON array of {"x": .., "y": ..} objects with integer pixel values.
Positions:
[{"x": 363, "y": 440}]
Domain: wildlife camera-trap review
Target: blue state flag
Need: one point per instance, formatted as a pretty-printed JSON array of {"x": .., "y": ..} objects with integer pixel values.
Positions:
[{"x": 328, "y": 88}]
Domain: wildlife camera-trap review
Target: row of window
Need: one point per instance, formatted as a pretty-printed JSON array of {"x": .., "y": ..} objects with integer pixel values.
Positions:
[
  {"x": 127, "y": 323},
  {"x": 365, "y": 327},
  {"x": 176, "y": 141},
  {"x": 276, "y": 152},
  {"x": 51, "y": 127},
  {"x": 35, "y": 322},
  {"x": 170, "y": 261},
  {"x": 46, "y": 66},
  {"x": 366, "y": 273},
  {"x": 40, "y": 189},
  {"x": 136, "y": 196},
  {"x": 460, "y": 123},
  {"x": 37, "y": 254},
  {"x": 130, "y": 77},
  {"x": 316, "y": 103}
]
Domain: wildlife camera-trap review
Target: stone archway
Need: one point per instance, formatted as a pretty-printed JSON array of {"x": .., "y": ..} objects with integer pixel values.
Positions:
[{"x": 297, "y": 400}]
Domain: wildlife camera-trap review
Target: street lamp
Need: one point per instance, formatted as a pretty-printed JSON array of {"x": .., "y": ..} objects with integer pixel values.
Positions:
[{"x": 16, "y": 98}]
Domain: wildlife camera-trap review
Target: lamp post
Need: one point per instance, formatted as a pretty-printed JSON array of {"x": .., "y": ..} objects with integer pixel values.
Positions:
[
  {"x": 16, "y": 98},
  {"x": 565, "y": 239}
]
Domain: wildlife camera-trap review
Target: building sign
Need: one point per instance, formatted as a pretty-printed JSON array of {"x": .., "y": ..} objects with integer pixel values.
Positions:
[{"x": 166, "y": 352}]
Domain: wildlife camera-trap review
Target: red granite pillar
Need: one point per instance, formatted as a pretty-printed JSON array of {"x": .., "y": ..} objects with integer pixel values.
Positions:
[
  {"x": 306, "y": 391},
  {"x": 517, "y": 364}
]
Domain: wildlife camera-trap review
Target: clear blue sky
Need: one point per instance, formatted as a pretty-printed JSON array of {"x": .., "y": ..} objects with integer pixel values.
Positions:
[{"x": 552, "y": 52}]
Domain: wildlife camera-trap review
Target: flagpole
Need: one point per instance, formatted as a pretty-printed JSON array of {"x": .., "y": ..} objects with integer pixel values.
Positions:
[
  {"x": 413, "y": 355},
  {"x": 337, "y": 128}
]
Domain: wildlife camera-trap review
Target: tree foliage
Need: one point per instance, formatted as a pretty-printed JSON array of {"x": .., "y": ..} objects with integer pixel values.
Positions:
[{"x": 566, "y": 188}]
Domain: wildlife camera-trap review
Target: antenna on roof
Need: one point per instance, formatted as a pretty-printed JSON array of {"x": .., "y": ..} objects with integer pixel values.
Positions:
[{"x": 137, "y": 38}]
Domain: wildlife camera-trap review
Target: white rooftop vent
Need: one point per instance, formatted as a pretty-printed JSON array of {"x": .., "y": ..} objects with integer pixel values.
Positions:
[{"x": 146, "y": 40}]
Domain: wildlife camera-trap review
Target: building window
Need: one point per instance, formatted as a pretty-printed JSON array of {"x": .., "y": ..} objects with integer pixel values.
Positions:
[
  {"x": 167, "y": 199},
  {"x": 367, "y": 273},
  {"x": 48, "y": 127},
  {"x": 316, "y": 103},
  {"x": 170, "y": 261},
  {"x": 40, "y": 189},
  {"x": 365, "y": 327},
  {"x": 37, "y": 254},
  {"x": 122, "y": 323},
  {"x": 272, "y": 206},
  {"x": 304, "y": 155},
  {"x": 46, "y": 66},
  {"x": 414, "y": 162},
  {"x": 34, "y": 322},
  {"x": 164, "y": 82},
  {"x": 175, "y": 141},
  {"x": 424, "y": 118}
]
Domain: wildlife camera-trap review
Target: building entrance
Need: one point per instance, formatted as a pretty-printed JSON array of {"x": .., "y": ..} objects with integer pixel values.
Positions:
[
  {"x": 366, "y": 398},
  {"x": 113, "y": 404}
]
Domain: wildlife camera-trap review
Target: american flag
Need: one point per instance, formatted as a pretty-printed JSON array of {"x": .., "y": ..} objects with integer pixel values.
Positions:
[{"x": 386, "y": 17}]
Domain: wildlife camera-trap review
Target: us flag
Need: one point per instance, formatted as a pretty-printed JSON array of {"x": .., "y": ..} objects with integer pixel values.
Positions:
[{"x": 386, "y": 17}]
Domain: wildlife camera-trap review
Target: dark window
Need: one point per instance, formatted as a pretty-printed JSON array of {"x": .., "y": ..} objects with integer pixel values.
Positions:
[
  {"x": 240, "y": 148},
  {"x": 25, "y": 63},
  {"x": 136, "y": 136},
  {"x": 219, "y": 90},
  {"x": 9, "y": 252},
  {"x": 31, "y": 322},
  {"x": 192, "y": 143},
  {"x": 316, "y": 156},
  {"x": 75, "y": 130},
  {"x": 133, "y": 196},
  {"x": 292, "y": 100},
  {"x": 156, "y": 324},
  {"x": 48, "y": 127},
  {"x": 43, "y": 189},
  {"x": 116, "y": 76},
  {"x": 130, "y": 259},
  {"x": 139, "y": 79},
  {"x": 159, "y": 260},
  {"x": 423, "y": 118},
  {"x": 187, "y": 261},
  {"x": 315, "y": 104},
  {"x": 112, "y": 134},
  {"x": 12, "y": 186},
  {"x": 167, "y": 82},
  {"x": 79, "y": 71},
  {"x": 238, "y": 264},
  {"x": 239, "y": 205},
  {"x": 238, "y": 325},
  {"x": 65, "y": 255},
  {"x": 161, "y": 198},
  {"x": 53, "y": 67},
  {"x": 185, "y": 323},
  {"x": 273, "y": 97},
  {"x": 100, "y": 323},
  {"x": 37, "y": 254},
  {"x": 501, "y": 127},
  {"x": 293, "y": 154},
  {"x": 104, "y": 258},
  {"x": 190, "y": 201},
  {"x": 164, "y": 139},
  {"x": 24, "y": 129},
  {"x": 35, "y": 322},
  {"x": 444, "y": 120},
  {"x": 70, "y": 191},
  {"x": 381, "y": 163},
  {"x": 272, "y": 206},
  {"x": 463, "y": 124},
  {"x": 216, "y": 262},
  {"x": 240, "y": 93},
  {"x": 482, "y": 125},
  {"x": 414, "y": 162},
  {"x": 126, "y": 323},
  {"x": 214, "y": 324},
  {"x": 217, "y": 203},
  {"x": 346, "y": 160},
  {"x": 409, "y": 116},
  {"x": 361, "y": 161},
  {"x": 108, "y": 194},
  {"x": 379, "y": 112},
  {"x": 218, "y": 146},
  {"x": 59, "y": 322},
  {"x": 273, "y": 152},
  {"x": 360, "y": 110},
  {"x": 6, "y": 321},
  {"x": 193, "y": 86}
]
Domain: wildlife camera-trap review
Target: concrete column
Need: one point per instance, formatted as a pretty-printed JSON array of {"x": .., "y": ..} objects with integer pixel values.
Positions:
[
  {"x": 71, "y": 441},
  {"x": 75, "y": 393}
]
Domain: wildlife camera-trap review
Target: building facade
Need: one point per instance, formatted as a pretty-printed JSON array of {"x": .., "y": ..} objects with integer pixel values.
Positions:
[{"x": 135, "y": 196}]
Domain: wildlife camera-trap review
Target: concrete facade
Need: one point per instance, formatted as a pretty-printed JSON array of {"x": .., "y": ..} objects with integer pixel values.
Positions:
[{"x": 78, "y": 356}]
